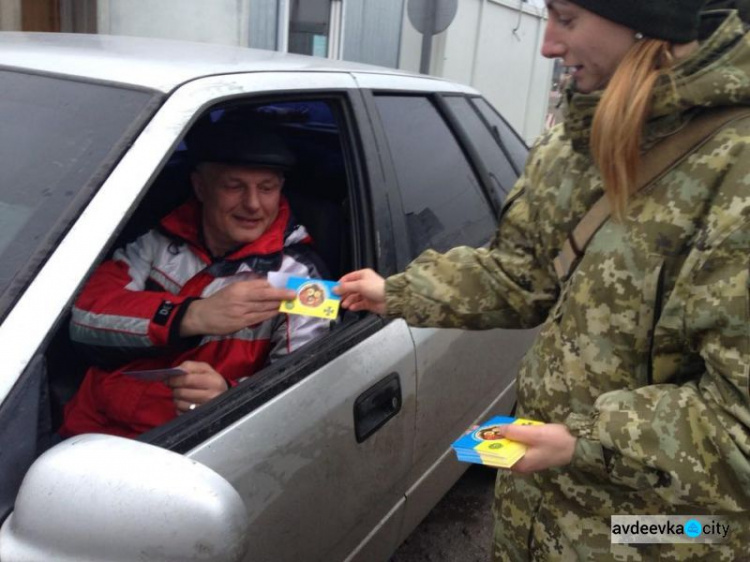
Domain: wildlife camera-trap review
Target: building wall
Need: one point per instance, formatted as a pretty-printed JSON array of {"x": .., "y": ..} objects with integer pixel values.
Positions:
[
  {"x": 372, "y": 31},
  {"x": 264, "y": 26},
  {"x": 494, "y": 46},
  {"x": 216, "y": 21}
]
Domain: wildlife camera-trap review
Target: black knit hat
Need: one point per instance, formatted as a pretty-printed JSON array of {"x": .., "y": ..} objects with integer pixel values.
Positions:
[{"x": 671, "y": 20}]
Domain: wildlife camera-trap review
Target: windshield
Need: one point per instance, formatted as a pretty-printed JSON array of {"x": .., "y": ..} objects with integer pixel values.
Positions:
[{"x": 58, "y": 140}]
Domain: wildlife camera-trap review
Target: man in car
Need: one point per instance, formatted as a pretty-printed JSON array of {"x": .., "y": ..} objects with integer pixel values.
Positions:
[{"x": 193, "y": 294}]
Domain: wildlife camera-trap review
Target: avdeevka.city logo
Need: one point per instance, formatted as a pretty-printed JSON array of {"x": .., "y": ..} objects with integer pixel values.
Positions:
[
  {"x": 651, "y": 529},
  {"x": 693, "y": 528}
]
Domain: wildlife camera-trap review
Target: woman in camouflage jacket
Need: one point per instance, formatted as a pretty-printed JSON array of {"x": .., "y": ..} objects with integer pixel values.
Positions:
[{"x": 641, "y": 368}]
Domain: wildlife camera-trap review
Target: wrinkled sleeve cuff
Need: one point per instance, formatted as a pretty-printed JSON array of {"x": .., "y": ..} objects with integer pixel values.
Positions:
[
  {"x": 174, "y": 326},
  {"x": 395, "y": 298},
  {"x": 162, "y": 323},
  {"x": 589, "y": 455}
]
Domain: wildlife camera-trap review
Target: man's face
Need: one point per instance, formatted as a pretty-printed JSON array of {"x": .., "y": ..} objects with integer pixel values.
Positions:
[
  {"x": 239, "y": 203},
  {"x": 589, "y": 45}
]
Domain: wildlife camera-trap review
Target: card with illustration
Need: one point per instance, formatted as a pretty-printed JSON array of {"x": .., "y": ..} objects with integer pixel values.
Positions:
[
  {"x": 314, "y": 298},
  {"x": 486, "y": 445},
  {"x": 152, "y": 375}
]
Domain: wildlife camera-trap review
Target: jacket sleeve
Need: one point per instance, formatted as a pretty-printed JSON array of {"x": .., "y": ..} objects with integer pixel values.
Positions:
[
  {"x": 690, "y": 443},
  {"x": 503, "y": 286},
  {"x": 121, "y": 314}
]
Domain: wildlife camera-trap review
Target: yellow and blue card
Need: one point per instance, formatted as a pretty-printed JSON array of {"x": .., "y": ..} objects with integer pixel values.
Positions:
[
  {"x": 314, "y": 298},
  {"x": 485, "y": 444}
]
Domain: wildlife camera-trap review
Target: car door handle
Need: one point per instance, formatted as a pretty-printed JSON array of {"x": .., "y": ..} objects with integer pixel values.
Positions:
[{"x": 376, "y": 405}]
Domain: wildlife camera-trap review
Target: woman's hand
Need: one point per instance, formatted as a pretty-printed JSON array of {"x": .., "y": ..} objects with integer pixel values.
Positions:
[
  {"x": 198, "y": 385},
  {"x": 362, "y": 290},
  {"x": 548, "y": 445}
]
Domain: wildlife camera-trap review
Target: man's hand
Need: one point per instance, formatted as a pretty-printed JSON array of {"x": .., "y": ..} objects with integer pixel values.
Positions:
[
  {"x": 198, "y": 385},
  {"x": 234, "y": 307},
  {"x": 362, "y": 290},
  {"x": 548, "y": 445}
]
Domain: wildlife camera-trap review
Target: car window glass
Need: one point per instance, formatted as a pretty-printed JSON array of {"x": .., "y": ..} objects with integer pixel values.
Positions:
[
  {"x": 444, "y": 203},
  {"x": 516, "y": 148},
  {"x": 501, "y": 172},
  {"x": 57, "y": 136}
]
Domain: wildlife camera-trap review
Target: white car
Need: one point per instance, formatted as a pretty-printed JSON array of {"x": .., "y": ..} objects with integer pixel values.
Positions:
[{"x": 337, "y": 451}]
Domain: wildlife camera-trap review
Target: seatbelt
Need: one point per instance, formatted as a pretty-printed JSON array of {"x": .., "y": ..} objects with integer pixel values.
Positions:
[{"x": 662, "y": 158}]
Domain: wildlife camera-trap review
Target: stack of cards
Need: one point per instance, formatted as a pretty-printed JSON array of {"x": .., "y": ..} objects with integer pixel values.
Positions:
[
  {"x": 154, "y": 375},
  {"x": 484, "y": 445}
]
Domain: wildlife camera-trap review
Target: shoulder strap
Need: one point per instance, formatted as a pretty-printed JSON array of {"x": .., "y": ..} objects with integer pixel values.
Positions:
[{"x": 655, "y": 163}]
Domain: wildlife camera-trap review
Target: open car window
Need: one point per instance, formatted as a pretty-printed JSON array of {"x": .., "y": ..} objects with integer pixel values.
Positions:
[
  {"x": 319, "y": 190},
  {"x": 316, "y": 188}
]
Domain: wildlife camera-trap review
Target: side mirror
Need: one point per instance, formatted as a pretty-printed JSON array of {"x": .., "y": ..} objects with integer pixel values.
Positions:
[{"x": 98, "y": 497}]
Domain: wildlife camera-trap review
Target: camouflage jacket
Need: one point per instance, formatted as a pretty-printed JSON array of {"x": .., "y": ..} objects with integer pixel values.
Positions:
[{"x": 644, "y": 353}]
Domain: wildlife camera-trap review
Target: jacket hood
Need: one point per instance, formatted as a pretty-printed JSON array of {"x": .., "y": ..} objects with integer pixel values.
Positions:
[
  {"x": 717, "y": 74},
  {"x": 184, "y": 223}
]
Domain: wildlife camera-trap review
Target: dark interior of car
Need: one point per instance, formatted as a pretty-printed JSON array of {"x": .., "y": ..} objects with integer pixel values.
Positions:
[{"x": 317, "y": 190}]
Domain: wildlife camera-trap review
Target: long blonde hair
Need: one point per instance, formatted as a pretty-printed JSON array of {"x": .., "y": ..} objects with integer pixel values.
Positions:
[{"x": 619, "y": 119}]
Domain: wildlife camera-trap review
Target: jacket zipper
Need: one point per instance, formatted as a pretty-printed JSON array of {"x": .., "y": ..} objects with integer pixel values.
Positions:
[{"x": 658, "y": 305}]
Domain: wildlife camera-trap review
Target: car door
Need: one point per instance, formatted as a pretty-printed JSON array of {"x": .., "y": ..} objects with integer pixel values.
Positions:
[
  {"x": 449, "y": 197},
  {"x": 320, "y": 443}
]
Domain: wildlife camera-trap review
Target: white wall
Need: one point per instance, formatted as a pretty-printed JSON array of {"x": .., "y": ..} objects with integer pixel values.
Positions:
[
  {"x": 494, "y": 47},
  {"x": 372, "y": 31},
  {"x": 211, "y": 21}
]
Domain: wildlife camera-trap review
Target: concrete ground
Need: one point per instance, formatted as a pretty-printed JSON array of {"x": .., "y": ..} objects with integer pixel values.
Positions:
[{"x": 459, "y": 528}]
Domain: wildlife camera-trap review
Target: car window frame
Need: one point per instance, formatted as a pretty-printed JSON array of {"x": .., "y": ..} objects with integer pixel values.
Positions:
[
  {"x": 468, "y": 146},
  {"x": 518, "y": 167},
  {"x": 464, "y": 144},
  {"x": 491, "y": 130},
  {"x": 183, "y": 433}
]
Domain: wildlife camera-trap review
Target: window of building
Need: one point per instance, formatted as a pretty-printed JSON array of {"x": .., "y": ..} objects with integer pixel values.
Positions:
[{"x": 313, "y": 27}]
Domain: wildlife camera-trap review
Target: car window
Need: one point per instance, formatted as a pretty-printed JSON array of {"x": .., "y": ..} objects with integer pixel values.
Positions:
[
  {"x": 56, "y": 139},
  {"x": 444, "y": 203},
  {"x": 318, "y": 191},
  {"x": 316, "y": 188},
  {"x": 501, "y": 171},
  {"x": 515, "y": 146}
]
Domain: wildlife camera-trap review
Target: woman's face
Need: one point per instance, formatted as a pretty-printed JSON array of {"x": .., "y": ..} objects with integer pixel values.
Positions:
[{"x": 589, "y": 45}]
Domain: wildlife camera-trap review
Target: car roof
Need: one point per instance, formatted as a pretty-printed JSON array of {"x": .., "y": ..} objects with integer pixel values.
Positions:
[{"x": 158, "y": 64}]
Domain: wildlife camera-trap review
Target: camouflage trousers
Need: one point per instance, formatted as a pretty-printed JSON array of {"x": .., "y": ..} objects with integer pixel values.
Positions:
[{"x": 536, "y": 520}]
